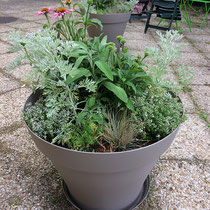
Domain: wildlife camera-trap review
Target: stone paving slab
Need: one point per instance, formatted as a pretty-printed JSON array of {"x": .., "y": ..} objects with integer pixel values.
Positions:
[
  {"x": 139, "y": 45},
  {"x": 5, "y": 59},
  {"x": 3, "y": 48},
  {"x": 24, "y": 16},
  {"x": 207, "y": 29},
  {"x": 187, "y": 102},
  {"x": 202, "y": 96},
  {"x": 11, "y": 105},
  {"x": 180, "y": 185},
  {"x": 20, "y": 72},
  {"x": 138, "y": 36},
  {"x": 201, "y": 75},
  {"x": 191, "y": 142},
  {"x": 189, "y": 48},
  {"x": 135, "y": 31},
  {"x": 204, "y": 47},
  {"x": 27, "y": 178},
  {"x": 5, "y": 28},
  {"x": 198, "y": 38},
  {"x": 30, "y": 178},
  {"x": 34, "y": 30},
  {"x": 25, "y": 5},
  {"x": 196, "y": 31},
  {"x": 136, "y": 27},
  {"x": 6, "y": 84},
  {"x": 192, "y": 59},
  {"x": 27, "y": 25}
]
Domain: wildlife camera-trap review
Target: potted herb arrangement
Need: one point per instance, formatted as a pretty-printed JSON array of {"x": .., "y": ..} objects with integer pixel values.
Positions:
[
  {"x": 113, "y": 14},
  {"x": 100, "y": 115}
]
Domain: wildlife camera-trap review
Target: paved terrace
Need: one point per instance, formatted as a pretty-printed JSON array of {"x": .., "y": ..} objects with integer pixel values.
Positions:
[{"x": 28, "y": 180}]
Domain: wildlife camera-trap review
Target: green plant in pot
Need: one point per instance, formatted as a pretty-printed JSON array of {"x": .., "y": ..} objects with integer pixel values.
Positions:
[
  {"x": 113, "y": 14},
  {"x": 100, "y": 115}
]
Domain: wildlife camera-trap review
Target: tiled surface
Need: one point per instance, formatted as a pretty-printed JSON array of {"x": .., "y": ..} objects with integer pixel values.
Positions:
[
  {"x": 6, "y": 84},
  {"x": 201, "y": 75},
  {"x": 11, "y": 105},
  {"x": 190, "y": 142},
  {"x": 27, "y": 178},
  {"x": 20, "y": 72},
  {"x": 180, "y": 185},
  {"x": 202, "y": 96},
  {"x": 192, "y": 59}
]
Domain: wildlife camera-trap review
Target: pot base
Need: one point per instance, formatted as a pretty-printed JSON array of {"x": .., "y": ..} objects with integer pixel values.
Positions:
[{"x": 137, "y": 202}]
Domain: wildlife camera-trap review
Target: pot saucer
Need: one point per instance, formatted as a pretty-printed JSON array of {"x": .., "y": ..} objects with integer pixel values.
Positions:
[{"x": 137, "y": 202}]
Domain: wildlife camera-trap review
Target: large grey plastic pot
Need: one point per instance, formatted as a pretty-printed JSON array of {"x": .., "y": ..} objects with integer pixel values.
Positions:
[
  {"x": 103, "y": 181},
  {"x": 113, "y": 25}
]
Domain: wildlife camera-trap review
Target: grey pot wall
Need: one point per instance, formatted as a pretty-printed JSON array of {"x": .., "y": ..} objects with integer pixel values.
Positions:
[
  {"x": 113, "y": 25},
  {"x": 105, "y": 181}
]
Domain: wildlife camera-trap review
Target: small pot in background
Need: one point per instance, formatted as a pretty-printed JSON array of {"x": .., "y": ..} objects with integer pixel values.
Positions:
[{"x": 113, "y": 25}]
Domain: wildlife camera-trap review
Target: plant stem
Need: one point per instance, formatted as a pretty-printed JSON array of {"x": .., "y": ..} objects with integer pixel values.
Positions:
[
  {"x": 47, "y": 19},
  {"x": 28, "y": 56},
  {"x": 61, "y": 2},
  {"x": 66, "y": 26},
  {"x": 86, "y": 19},
  {"x": 71, "y": 101},
  {"x": 119, "y": 52}
]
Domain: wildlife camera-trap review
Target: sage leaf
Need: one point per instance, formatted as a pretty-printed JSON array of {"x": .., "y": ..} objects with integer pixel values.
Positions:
[
  {"x": 118, "y": 91},
  {"x": 105, "y": 69}
]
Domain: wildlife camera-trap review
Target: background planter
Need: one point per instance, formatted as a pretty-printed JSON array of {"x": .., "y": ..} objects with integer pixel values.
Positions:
[
  {"x": 105, "y": 181},
  {"x": 113, "y": 25}
]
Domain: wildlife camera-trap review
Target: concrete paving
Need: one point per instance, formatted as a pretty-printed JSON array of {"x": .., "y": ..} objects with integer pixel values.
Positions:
[{"x": 28, "y": 180}]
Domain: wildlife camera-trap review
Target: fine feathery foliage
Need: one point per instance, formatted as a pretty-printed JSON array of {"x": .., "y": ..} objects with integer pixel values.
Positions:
[
  {"x": 81, "y": 78},
  {"x": 159, "y": 111},
  {"x": 71, "y": 73},
  {"x": 163, "y": 58}
]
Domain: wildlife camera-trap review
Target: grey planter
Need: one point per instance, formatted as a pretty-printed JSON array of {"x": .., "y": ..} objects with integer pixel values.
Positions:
[
  {"x": 113, "y": 25},
  {"x": 105, "y": 181}
]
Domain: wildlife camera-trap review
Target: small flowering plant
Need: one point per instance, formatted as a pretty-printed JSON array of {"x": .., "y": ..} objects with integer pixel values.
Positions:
[
  {"x": 66, "y": 21},
  {"x": 44, "y": 11},
  {"x": 92, "y": 96},
  {"x": 61, "y": 12}
]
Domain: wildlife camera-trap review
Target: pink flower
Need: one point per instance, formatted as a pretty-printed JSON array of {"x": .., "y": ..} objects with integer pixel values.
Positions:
[
  {"x": 44, "y": 10},
  {"x": 61, "y": 11}
]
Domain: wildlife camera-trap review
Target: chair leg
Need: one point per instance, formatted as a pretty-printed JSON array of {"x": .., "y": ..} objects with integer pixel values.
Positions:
[
  {"x": 173, "y": 15},
  {"x": 169, "y": 26},
  {"x": 147, "y": 23},
  {"x": 148, "y": 18}
]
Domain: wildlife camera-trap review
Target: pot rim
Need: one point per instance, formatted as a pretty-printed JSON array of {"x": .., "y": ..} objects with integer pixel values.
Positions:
[
  {"x": 107, "y": 14},
  {"x": 99, "y": 153}
]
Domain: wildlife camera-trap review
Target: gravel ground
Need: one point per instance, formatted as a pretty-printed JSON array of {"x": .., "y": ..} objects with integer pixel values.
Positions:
[{"x": 28, "y": 180}]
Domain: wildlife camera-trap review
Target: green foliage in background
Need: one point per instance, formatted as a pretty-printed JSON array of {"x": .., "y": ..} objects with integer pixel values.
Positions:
[{"x": 109, "y": 6}]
